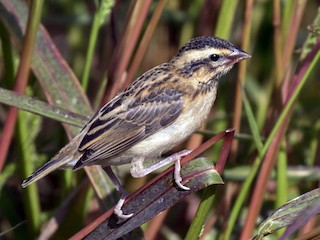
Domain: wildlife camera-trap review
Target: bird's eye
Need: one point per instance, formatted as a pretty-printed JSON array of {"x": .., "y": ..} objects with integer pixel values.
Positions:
[{"x": 214, "y": 57}]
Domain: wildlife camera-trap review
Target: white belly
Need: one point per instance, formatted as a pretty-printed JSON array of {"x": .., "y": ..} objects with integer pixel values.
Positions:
[{"x": 171, "y": 136}]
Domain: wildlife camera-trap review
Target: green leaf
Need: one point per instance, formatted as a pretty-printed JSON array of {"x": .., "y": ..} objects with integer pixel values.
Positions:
[
  {"x": 253, "y": 124},
  {"x": 41, "y": 108},
  {"x": 292, "y": 212}
]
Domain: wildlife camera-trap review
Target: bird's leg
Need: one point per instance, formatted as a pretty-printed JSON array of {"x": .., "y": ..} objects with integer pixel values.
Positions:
[
  {"x": 123, "y": 194},
  {"x": 139, "y": 170}
]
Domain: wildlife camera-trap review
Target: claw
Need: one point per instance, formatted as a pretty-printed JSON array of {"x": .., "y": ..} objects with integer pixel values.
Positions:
[
  {"x": 118, "y": 211},
  {"x": 177, "y": 173}
]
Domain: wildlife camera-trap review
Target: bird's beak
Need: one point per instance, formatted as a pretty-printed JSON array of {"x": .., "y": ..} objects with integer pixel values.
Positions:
[{"x": 237, "y": 55}]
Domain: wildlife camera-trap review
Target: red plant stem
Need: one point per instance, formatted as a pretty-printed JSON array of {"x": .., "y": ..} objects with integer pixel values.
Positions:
[
  {"x": 144, "y": 42},
  {"x": 292, "y": 34},
  {"x": 206, "y": 145},
  {"x": 269, "y": 161},
  {"x": 258, "y": 193},
  {"x": 224, "y": 152},
  {"x": 21, "y": 79},
  {"x": 277, "y": 40},
  {"x": 236, "y": 123},
  {"x": 125, "y": 47}
]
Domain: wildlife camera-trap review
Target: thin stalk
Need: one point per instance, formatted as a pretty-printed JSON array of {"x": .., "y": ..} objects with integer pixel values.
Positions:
[
  {"x": 266, "y": 168},
  {"x": 31, "y": 199},
  {"x": 292, "y": 34},
  {"x": 144, "y": 43},
  {"x": 124, "y": 49},
  {"x": 223, "y": 28},
  {"x": 207, "y": 200},
  {"x": 90, "y": 51},
  {"x": 288, "y": 8},
  {"x": 282, "y": 165},
  {"x": 22, "y": 75},
  {"x": 282, "y": 182},
  {"x": 241, "y": 74},
  {"x": 208, "y": 197},
  {"x": 226, "y": 17},
  {"x": 237, "y": 207},
  {"x": 253, "y": 125},
  {"x": 100, "y": 15},
  {"x": 277, "y": 41}
]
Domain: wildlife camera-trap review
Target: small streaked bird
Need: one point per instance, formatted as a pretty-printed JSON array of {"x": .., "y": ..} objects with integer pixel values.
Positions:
[{"x": 157, "y": 112}]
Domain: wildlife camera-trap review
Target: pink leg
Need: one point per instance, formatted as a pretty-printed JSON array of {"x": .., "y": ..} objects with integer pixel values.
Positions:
[{"x": 138, "y": 170}]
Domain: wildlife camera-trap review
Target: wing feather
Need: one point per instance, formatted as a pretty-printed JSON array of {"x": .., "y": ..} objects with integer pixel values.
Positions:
[{"x": 118, "y": 127}]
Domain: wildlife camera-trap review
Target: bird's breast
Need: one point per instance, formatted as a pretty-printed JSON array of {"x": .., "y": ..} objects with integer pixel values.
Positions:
[{"x": 194, "y": 114}]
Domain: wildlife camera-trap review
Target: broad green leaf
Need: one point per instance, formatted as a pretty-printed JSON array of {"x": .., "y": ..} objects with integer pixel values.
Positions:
[{"x": 41, "y": 108}]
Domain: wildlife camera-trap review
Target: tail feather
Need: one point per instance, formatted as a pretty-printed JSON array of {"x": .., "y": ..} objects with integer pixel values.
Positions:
[
  {"x": 65, "y": 158},
  {"x": 44, "y": 171}
]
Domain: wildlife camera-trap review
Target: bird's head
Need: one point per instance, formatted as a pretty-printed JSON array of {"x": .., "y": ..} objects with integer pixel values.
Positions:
[{"x": 205, "y": 59}]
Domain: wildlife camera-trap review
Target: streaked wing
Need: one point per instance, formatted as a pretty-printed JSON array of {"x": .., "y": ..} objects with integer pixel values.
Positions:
[{"x": 119, "y": 125}]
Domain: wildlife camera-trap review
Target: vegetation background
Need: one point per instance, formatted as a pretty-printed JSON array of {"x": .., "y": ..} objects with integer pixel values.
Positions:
[{"x": 272, "y": 100}]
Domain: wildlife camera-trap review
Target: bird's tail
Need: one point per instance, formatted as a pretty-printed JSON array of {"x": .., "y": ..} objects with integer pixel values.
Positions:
[
  {"x": 44, "y": 171},
  {"x": 66, "y": 157}
]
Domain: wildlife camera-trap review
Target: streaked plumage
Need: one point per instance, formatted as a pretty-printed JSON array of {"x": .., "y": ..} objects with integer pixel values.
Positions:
[{"x": 157, "y": 112}]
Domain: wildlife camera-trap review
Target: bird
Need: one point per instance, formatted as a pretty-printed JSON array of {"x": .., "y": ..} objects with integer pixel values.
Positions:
[{"x": 158, "y": 111}]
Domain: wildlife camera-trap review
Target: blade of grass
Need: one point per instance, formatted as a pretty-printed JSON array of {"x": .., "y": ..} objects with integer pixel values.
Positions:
[
  {"x": 226, "y": 17},
  {"x": 253, "y": 124},
  {"x": 102, "y": 12},
  {"x": 282, "y": 181},
  {"x": 41, "y": 108},
  {"x": 27, "y": 129},
  {"x": 288, "y": 8},
  {"x": 237, "y": 207},
  {"x": 207, "y": 201},
  {"x": 208, "y": 197}
]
